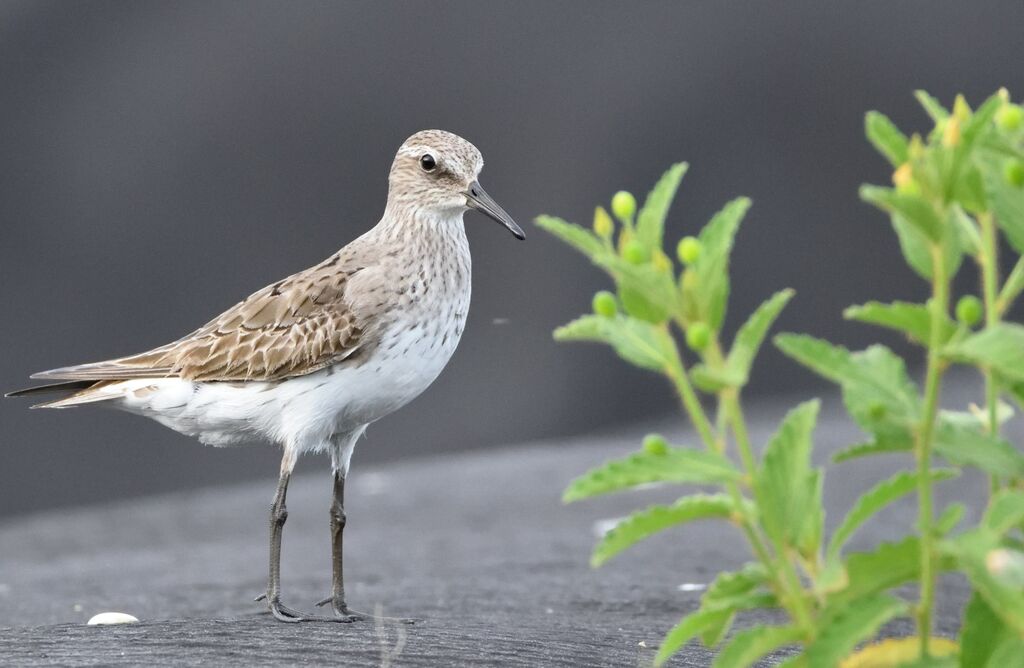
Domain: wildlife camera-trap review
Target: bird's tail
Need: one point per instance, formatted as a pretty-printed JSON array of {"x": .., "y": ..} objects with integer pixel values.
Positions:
[{"x": 72, "y": 393}]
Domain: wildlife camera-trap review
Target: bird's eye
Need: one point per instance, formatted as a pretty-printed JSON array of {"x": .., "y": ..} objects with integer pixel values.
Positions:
[{"x": 428, "y": 163}]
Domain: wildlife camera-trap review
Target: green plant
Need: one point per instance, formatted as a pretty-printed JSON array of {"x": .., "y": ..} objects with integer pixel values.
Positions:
[{"x": 953, "y": 194}]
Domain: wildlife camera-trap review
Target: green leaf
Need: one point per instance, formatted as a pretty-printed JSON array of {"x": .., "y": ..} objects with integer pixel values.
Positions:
[
  {"x": 851, "y": 624},
  {"x": 1014, "y": 285},
  {"x": 1000, "y": 347},
  {"x": 904, "y": 653},
  {"x": 932, "y": 106},
  {"x": 876, "y": 389},
  {"x": 1005, "y": 511},
  {"x": 913, "y": 209},
  {"x": 686, "y": 630},
  {"x": 972, "y": 550},
  {"x": 576, "y": 236},
  {"x": 736, "y": 592},
  {"x": 876, "y": 447},
  {"x": 888, "y": 565},
  {"x": 886, "y": 137},
  {"x": 713, "y": 381},
  {"x": 982, "y": 631},
  {"x": 645, "y": 523},
  {"x": 706, "y": 298},
  {"x": 650, "y": 224},
  {"x": 680, "y": 465},
  {"x": 916, "y": 249},
  {"x": 969, "y": 446},
  {"x": 912, "y": 319},
  {"x": 747, "y": 646},
  {"x": 751, "y": 335},
  {"x": 646, "y": 292},
  {"x": 638, "y": 342},
  {"x": 785, "y": 484},
  {"x": 1006, "y": 199},
  {"x": 874, "y": 500},
  {"x": 949, "y": 518},
  {"x": 1007, "y": 653}
]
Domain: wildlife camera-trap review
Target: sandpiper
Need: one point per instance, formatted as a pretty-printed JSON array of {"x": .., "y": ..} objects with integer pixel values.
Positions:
[{"x": 309, "y": 361}]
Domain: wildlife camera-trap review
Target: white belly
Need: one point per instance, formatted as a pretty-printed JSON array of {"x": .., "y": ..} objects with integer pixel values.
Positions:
[{"x": 307, "y": 411}]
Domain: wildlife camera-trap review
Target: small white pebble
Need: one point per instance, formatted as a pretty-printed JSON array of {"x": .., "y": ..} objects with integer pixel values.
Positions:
[
  {"x": 549, "y": 611},
  {"x": 692, "y": 586},
  {"x": 642, "y": 643},
  {"x": 77, "y": 607},
  {"x": 112, "y": 618}
]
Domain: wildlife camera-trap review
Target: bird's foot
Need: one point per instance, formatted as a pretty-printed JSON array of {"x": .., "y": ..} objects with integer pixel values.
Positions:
[
  {"x": 283, "y": 613},
  {"x": 344, "y": 613}
]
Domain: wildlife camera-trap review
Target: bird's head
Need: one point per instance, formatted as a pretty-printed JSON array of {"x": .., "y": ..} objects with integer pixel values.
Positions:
[{"x": 436, "y": 171}]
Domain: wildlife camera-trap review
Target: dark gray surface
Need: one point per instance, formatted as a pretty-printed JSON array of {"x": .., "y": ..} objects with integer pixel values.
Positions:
[
  {"x": 161, "y": 160},
  {"x": 477, "y": 545}
]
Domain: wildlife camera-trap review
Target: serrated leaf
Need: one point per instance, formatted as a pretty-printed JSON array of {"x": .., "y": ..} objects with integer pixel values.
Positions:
[
  {"x": 972, "y": 550},
  {"x": 913, "y": 209},
  {"x": 1006, "y": 200},
  {"x": 576, "y": 236},
  {"x": 645, "y": 291},
  {"x": 705, "y": 298},
  {"x": 876, "y": 447},
  {"x": 912, "y": 319},
  {"x": 742, "y": 590},
  {"x": 876, "y": 389},
  {"x": 965, "y": 445},
  {"x": 982, "y": 631},
  {"x": 686, "y": 630},
  {"x": 874, "y": 500},
  {"x": 649, "y": 521},
  {"x": 784, "y": 485},
  {"x": 747, "y": 646},
  {"x": 852, "y": 624},
  {"x": 1005, "y": 511},
  {"x": 999, "y": 347},
  {"x": 677, "y": 465},
  {"x": 641, "y": 343},
  {"x": 886, "y": 137},
  {"x": 901, "y": 653},
  {"x": 932, "y": 106},
  {"x": 751, "y": 335},
  {"x": 650, "y": 223},
  {"x": 888, "y": 565}
]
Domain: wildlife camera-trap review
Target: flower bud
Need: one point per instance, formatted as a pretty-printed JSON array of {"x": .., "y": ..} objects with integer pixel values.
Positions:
[
  {"x": 661, "y": 261},
  {"x": 1013, "y": 172},
  {"x": 698, "y": 336},
  {"x": 655, "y": 444},
  {"x": 635, "y": 252},
  {"x": 961, "y": 110},
  {"x": 624, "y": 205},
  {"x": 903, "y": 179},
  {"x": 951, "y": 132},
  {"x": 1010, "y": 117},
  {"x": 603, "y": 224},
  {"x": 689, "y": 250},
  {"x": 969, "y": 310},
  {"x": 604, "y": 304}
]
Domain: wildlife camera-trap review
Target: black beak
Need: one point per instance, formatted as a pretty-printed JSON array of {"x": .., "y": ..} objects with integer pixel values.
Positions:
[{"x": 477, "y": 198}]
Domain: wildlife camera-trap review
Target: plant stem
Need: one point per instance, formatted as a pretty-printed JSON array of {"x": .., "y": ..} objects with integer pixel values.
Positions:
[
  {"x": 989, "y": 261},
  {"x": 691, "y": 403},
  {"x": 739, "y": 427},
  {"x": 923, "y": 449}
]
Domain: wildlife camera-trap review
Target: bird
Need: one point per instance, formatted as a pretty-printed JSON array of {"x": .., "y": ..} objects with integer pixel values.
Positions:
[{"x": 310, "y": 361}]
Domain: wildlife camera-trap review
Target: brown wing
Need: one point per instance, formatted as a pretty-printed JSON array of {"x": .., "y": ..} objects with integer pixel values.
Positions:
[{"x": 291, "y": 328}]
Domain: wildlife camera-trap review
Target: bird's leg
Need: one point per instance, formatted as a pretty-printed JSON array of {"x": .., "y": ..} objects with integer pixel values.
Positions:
[
  {"x": 278, "y": 516},
  {"x": 337, "y": 598}
]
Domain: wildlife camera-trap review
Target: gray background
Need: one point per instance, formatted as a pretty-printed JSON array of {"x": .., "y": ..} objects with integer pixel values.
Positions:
[{"x": 159, "y": 161}]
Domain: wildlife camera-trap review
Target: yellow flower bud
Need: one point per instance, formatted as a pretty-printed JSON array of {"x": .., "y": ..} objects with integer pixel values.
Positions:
[
  {"x": 951, "y": 132},
  {"x": 603, "y": 224}
]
